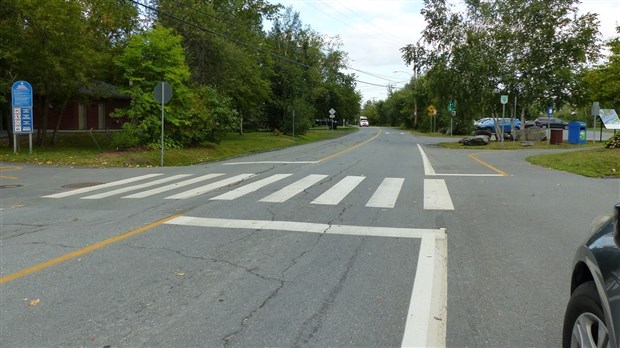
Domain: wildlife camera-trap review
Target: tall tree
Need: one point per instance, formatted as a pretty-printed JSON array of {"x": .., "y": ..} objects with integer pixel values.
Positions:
[
  {"x": 224, "y": 43},
  {"x": 603, "y": 81},
  {"x": 533, "y": 50}
]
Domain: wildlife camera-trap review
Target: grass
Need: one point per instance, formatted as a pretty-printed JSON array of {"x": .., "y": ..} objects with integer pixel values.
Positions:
[
  {"x": 591, "y": 159},
  {"x": 94, "y": 150},
  {"x": 596, "y": 163}
]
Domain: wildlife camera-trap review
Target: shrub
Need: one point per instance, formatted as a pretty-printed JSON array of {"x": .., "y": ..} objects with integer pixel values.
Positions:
[{"x": 613, "y": 142}]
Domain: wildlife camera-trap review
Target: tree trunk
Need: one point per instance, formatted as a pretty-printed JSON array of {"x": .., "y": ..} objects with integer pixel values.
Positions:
[{"x": 61, "y": 112}]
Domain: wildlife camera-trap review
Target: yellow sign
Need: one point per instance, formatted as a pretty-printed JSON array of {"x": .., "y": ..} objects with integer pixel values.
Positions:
[{"x": 431, "y": 110}]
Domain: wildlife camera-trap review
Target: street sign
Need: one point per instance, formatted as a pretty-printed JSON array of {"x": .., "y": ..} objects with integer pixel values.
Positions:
[
  {"x": 431, "y": 110},
  {"x": 504, "y": 99},
  {"x": 162, "y": 92},
  {"x": 21, "y": 95},
  {"x": 452, "y": 106},
  {"x": 596, "y": 109},
  {"x": 549, "y": 111}
]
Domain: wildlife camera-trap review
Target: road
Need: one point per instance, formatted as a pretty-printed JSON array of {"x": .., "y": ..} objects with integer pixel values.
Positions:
[{"x": 378, "y": 238}]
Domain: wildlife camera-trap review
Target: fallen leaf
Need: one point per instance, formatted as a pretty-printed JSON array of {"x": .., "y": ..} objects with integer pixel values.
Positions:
[
  {"x": 180, "y": 274},
  {"x": 34, "y": 302}
]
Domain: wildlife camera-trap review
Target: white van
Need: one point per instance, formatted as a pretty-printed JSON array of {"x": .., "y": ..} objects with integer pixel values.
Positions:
[{"x": 363, "y": 121}]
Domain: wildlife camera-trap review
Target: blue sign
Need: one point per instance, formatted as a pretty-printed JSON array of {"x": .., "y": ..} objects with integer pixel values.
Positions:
[
  {"x": 21, "y": 92},
  {"x": 550, "y": 111}
]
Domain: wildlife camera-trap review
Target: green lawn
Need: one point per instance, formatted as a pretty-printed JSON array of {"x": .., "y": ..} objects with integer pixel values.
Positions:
[{"x": 597, "y": 163}]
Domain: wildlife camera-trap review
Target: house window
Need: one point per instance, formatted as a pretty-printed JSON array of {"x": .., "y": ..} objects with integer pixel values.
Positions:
[{"x": 101, "y": 114}]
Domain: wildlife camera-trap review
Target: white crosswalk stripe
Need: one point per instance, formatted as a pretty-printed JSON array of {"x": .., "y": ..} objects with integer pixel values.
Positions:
[
  {"x": 210, "y": 187},
  {"x": 338, "y": 192},
  {"x": 293, "y": 189},
  {"x": 387, "y": 193},
  {"x": 135, "y": 187},
  {"x": 102, "y": 186},
  {"x": 385, "y": 196},
  {"x": 249, "y": 188},
  {"x": 173, "y": 186}
]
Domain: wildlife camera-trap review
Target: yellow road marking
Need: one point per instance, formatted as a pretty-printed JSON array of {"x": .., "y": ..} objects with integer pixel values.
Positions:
[
  {"x": 85, "y": 250},
  {"x": 351, "y": 148},
  {"x": 7, "y": 169},
  {"x": 473, "y": 156}
]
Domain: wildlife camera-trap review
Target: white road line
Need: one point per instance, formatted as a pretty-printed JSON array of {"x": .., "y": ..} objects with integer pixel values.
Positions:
[
  {"x": 307, "y": 227},
  {"x": 426, "y": 317},
  {"x": 427, "y": 302},
  {"x": 272, "y": 162},
  {"x": 336, "y": 193},
  {"x": 135, "y": 187},
  {"x": 244, "y": 190},
  {"x": 293, "y": 189},
  {"x": 436, "y": 195},
  {"x": 210, "y": 187},
  {"x": 176, "y": 185},
  {"x": 102, "y": 186},
  {"x": 428, "y": 168},
  {"x": 387, "y": 193}
]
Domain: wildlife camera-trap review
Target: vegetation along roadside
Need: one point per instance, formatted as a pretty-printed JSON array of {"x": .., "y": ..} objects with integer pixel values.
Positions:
[{"x": 97, "y": 150}]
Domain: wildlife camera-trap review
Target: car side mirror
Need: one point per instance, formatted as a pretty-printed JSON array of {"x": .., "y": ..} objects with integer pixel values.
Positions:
[{"x": 616, "y": 223}]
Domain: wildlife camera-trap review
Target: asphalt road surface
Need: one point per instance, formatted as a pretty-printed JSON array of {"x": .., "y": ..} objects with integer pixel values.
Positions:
[{"x": 376, "y": 239}]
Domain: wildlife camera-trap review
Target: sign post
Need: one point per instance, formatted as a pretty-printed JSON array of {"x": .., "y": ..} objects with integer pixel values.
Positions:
[
  {"x": 504, "y": 100},
  {"x": 431, "y": 113},
  {"x": 162, "y": 93},
  {"x": 332, "y": 115},
  {"x": 452, "y": 110},
  {"x": 21, "y": 98},
  {"x": 596, "y": 110},
  {"x": 549, "y": 115}
]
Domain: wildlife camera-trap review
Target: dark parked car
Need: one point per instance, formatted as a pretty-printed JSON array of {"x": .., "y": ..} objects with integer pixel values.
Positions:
[
  {"x": 544, "y": 122},
  {"x": 592, "y": 316}
]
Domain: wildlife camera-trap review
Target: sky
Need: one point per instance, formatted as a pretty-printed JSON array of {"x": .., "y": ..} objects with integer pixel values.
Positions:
[{"x": 373, "y": 31}]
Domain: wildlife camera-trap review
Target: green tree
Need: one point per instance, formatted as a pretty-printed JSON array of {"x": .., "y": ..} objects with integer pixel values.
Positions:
[
  {"x": 532, "y": 50},
  {"x": 153, "y": 56},
  {"x": 603, "y": 81},
  {"x": 223, "y": 41}
]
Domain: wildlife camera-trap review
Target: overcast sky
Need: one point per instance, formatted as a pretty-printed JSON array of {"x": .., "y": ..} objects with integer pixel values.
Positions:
[{"x": 373, "y": 31}]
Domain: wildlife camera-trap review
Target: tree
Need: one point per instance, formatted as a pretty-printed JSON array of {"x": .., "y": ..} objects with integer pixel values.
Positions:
[
  {"x": 223, "y": 41},
  {"x": 603, "y": 81},
  {"x": 533, "y": 50},
  {"x": 10, "y": 46},
  {"x": 153, "y": 56}
]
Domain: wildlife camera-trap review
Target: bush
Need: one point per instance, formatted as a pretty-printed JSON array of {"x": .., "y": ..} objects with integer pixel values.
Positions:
[
  {"x": 613, "y": 142},
  {"x": 127, "y": 138}
]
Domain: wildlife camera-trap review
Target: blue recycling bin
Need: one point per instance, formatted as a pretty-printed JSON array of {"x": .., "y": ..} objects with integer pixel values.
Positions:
[{"x": 576, "y": 132}]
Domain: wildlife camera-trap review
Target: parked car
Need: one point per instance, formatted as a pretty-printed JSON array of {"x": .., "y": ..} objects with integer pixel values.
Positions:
[
  {"x": 544, "y": 122},
  {"x": 363, "y": 121},
  {"x": 592, "y": 317},
  {"x": 482, "y": 120},
  {"x": 488, "y": 124}
]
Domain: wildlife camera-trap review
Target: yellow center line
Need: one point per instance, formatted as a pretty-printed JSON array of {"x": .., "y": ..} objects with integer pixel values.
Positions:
[
  {"x": 85, "y": 250},
  {"x": 351, "y": 148},
  {"x": 473, "y": 156}
]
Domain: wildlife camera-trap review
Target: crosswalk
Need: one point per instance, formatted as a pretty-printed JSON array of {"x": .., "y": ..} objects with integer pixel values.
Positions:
[{"x": 384, "y": 196}]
